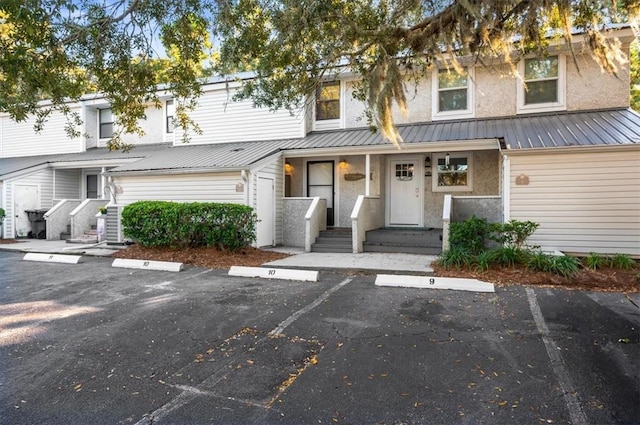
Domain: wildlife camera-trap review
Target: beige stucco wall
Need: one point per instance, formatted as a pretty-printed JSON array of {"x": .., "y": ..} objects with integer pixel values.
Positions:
[
  {"x": 587, "y": 87},
  {"x": 348, "y": 191},
  {"x": 590, "y": 88},
  {"x": 495, "y": 93}
]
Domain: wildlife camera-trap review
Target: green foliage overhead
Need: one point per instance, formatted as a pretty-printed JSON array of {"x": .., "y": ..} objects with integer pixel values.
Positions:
[
  {"x": 59, "y": 50},
  {"x": 181, "y": 225},
  {"x": 634, "y": 68}
]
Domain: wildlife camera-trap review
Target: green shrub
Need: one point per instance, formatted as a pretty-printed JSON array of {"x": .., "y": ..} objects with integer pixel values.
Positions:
[
  {"x": 565, "y": 266},
  {"x": 539, "y": 261},
  {"x": 484, "y": 260},
  {"x": 622, "y": 261},
  {"x": 162, "y": 223},
  {"x": 472, "y": 235},
  {"x": 595, "y": 261},
  {"x": 3, "y": 214},
  {"x": 509, "y": 256},
  {"x": 455, "y": 257},
  {"x": 515, "y": 233}
]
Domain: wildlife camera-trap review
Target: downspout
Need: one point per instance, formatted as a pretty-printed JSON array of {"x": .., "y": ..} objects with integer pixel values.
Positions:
[
  {"x": 245, "y": 180},
  {"x": 367, "y": 173},
  {"x": 506, "y": 180}
]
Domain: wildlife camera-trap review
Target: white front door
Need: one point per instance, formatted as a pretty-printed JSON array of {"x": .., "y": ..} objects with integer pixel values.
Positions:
[
  {"x": 405, "y": 188},
  {"x": 26, "y": 197},
  {"x": 265, "y": 210}
]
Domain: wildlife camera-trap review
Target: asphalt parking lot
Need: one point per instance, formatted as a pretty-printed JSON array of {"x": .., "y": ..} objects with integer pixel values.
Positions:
[{"x": 89, "y": 343}]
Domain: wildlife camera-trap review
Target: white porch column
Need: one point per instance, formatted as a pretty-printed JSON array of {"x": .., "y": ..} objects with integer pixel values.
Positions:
[
  {"x": 506, "y": 188},
  {"x": 102, "y": 183},
  {"x": 367, "y": 174}
]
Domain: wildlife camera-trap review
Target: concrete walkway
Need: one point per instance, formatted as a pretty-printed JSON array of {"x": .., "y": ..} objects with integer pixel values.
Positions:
[{"x": 369, "y": 262}]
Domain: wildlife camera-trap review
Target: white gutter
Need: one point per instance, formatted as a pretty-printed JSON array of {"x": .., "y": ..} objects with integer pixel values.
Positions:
[{"x": 450, "y": 146}]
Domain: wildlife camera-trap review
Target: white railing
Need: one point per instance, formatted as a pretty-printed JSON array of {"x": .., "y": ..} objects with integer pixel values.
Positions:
[
  {"x": 315, "y": 221},
  {"x": 58, "y": 218},
  {"x": 367, "y": 214},
  {"x": 446, "y": 221},
  {"x": 461, "y": 208},
  {"x": 84, "y": 216}
]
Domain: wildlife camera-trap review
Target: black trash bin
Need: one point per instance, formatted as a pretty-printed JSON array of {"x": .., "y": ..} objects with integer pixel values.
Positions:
[{"x": 38, "y": 224}]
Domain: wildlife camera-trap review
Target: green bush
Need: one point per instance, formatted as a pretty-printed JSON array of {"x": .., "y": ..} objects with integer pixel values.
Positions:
[
  {"x": 455, "y": 257},
  {"x": 509, "y": 256},
  {"x": 162, "y": 223},
  {"x": 3, "y": 214},
  {"x": 622, "y": 261},
  {"x": 595, "y": 261},
  {"x": 515, "y": 233},
  {"x": 473, "y": 234}
]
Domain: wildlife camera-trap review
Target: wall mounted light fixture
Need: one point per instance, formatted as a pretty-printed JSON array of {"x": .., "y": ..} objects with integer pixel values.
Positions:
[
  {"x": 343, "y": 163},
  {"x": 288, "y": 168},
  {"x": 447, "y": 159}
]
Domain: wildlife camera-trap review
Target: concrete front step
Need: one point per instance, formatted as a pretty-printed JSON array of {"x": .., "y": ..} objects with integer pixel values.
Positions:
[
  {"x": 403, "y": 249},
  {"x": 331, "y": 248},
  {"x": 85, "y": 240},
  {"x": 337, "y": 239},
  {"x": 410, "y": 237}
]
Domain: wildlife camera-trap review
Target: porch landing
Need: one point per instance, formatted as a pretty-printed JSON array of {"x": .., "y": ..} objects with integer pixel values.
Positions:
[
  {"x": 387, "y": 240},
  {"x": 404, "y": 240}
]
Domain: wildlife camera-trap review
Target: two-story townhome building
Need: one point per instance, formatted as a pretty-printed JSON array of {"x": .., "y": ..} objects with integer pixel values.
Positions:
[{"x": 557, "y": 144}]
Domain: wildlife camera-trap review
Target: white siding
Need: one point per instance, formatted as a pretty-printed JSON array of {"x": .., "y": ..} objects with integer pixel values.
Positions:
[
  {"x": 273, "y": 169},
  {"x": 67, "y": 184},
  {"x": 152, "y": 126},
  {"x": 223, "y": 120},
  {"x": 43, "y": 179},
  {"x": 19, "y": 139},
  {"x": 210, "y": 187},
  {"x": 585, "y": 202}
]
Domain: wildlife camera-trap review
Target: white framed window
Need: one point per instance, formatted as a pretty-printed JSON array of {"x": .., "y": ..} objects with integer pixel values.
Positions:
[
  {"x": 453, "y": 172},
  {"x": 170, "y": 112},
  {"x": 105, "y": 123},
  {"x": 541, "y": 86},
  {"x": 452, "y": 94},
  {"x": 328, "y": 106},
  {"x": 328, "y": 101}
]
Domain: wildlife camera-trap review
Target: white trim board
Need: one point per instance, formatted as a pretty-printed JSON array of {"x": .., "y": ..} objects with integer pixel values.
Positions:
[{"x": 433, "y": 282}]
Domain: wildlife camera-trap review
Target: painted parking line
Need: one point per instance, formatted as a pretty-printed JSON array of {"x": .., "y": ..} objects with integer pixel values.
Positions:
[
  {"x": 557, "y": 364},
  {"x": 190, "y": 393}
]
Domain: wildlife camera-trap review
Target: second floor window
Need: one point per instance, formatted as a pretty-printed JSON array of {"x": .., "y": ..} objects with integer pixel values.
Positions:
[
  {"x": 541, "y": 80},
  {"x": 328, "y": 101},
  {"x": 541, "y": 86},
  {"x": 452, "y": 95},
  {"x": 105, "y": 118},
  {"x": 170, "y": 113},
  {"x": 452, "y": 91}
]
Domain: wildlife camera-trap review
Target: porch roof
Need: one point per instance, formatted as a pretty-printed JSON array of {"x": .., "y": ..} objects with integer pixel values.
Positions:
[
  {"x": 13, "y": 165},
  {"x": 533, "y": 131}
]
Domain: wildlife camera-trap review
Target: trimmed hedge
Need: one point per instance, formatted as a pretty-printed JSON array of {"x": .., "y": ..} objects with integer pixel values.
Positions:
[{"x": 181, "y": 225}]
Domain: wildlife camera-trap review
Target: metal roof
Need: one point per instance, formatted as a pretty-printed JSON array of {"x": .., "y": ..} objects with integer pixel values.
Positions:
[
  {"x": 522, "y": 132},
  {"x": 17, "y": 164},
  {"x": 532, "y": 131}
]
